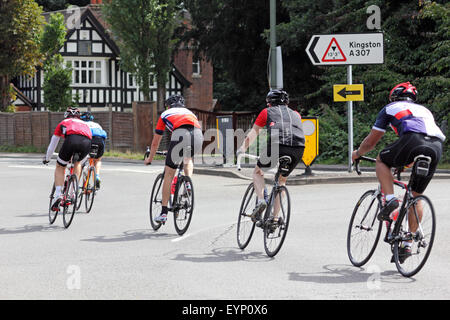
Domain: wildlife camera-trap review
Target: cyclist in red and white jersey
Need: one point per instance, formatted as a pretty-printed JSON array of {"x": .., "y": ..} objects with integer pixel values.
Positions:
[
  {"x": 418, "y": 134},
  {"x": 186, "y": 140},
  {"x": 78, "y": 136}
]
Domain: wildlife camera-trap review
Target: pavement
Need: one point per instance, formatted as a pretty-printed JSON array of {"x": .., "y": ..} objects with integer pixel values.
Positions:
[{"x": 319, "y": 174}]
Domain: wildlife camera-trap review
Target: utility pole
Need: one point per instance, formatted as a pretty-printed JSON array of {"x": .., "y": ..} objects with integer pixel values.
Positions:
[{"x": 273, "y": 45}]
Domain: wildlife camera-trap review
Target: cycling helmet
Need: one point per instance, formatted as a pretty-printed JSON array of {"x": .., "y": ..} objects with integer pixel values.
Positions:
[
  {"x": 277, "y": 97},
  {"x": 175, "y": 100},
  {"x": 87, "y": 116},
  {"x": 72, "y": 113},
  {"x": 403, "y": 91}
]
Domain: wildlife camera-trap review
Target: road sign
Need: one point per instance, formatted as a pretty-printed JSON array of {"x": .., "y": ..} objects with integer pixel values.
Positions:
[
  {"x": 345, "y": 49},
  {"x": 348, "y": 92},
  {"x": 311, "y": 132}
]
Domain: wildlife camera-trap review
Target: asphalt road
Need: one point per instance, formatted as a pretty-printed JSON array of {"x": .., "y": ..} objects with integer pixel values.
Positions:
[{"x": 112, "y": 253}]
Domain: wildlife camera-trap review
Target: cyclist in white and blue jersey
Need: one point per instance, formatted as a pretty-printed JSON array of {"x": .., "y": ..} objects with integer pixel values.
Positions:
[
  {"x": 98, "y": 138},
  {"x": 418, "y": 135}
]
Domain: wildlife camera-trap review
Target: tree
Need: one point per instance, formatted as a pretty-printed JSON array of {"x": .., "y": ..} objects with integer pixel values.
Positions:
[
  {"x": 20, "y": 28},
  {"x": 57, "y": 78},
  {"x": 144, "y": 29},
  {"x": 231, "y": 35}
]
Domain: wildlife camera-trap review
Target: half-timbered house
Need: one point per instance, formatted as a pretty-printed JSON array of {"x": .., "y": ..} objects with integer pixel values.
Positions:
[{"x": 98, "y": 82}]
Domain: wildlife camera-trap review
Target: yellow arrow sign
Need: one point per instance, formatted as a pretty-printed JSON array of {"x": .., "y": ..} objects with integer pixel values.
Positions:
[{"x": 348, "y": 92}]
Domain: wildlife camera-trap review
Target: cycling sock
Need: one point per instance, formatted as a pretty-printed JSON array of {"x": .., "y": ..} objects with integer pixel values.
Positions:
[
  {"x": 407, "y": 244},
  {"x": 164, "y": 210},
  {"x": 389, "y": 197},
  {"x": 57, "y": 191}
]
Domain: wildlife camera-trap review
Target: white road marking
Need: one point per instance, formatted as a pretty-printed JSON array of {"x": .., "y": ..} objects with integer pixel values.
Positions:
[{"x": 103, "y": 169}]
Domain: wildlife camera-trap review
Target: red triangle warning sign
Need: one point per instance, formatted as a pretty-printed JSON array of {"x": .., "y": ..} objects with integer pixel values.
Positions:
[{"x": 334, "y": 53}]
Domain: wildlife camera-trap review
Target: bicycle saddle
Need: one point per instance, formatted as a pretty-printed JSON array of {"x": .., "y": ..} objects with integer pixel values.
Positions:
[
  {"x": 422, "y": 165},
  {"x": 284, "y": 162},
  {"x": 94, "y": 150}
]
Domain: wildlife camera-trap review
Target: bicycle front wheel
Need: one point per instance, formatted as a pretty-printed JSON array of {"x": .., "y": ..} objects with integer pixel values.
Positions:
[
  {"x": 156, "y": 202},
  {"x": 70, "y": 200},
  {"x": 276, "y": 226},
  {"x": 90, "y": 189},
  {"x": 364, "y": 229},
  {"x": 416, "y": 228},
  {"x": 184, "y": 204},
  {"x": 52, "y": 214},
  {"x": 246, "y": 226}
]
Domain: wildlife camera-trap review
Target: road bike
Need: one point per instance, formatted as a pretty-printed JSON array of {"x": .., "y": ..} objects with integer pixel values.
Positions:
[
  {"x": 88, "y": 186},
  {"x": 413, "y": 222},
  {"x": 181, "y": 201},
  {"x": 69, "y": 196},
  {"x": 275, "y": 221}
]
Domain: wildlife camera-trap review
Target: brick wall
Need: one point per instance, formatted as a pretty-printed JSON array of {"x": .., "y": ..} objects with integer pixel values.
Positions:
[{"x": 200, "y": 94}]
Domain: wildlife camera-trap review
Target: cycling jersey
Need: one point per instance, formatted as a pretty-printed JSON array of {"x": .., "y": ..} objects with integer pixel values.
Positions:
[
  {"x": 175, "y": 118},
  {"x": 97, "y": 130},
  {"x": 404, "y": 116},
  {"x": 72, "y": 126},
  {"x": 288, "y": 123}
]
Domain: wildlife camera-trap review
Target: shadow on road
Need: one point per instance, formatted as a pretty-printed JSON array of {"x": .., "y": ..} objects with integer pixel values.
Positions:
[
  {"x": 30, "y": 228},
  {"x": 34, "y": 215},
  {"x": 133, "y": 235},
  {"x": 223, "y": 255},
  {"x": 341, "y": 274}
]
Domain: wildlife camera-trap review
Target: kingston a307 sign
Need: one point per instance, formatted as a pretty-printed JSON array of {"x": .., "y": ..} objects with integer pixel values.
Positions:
[{"x": 344, "y": 49}]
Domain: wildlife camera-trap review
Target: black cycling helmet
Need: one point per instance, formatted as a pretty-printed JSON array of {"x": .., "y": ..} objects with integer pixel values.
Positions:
[
  {"x": 403, "y": 91},
  {"x": 277, "y": 97},
  {"x": 87, "y": 116},
  {"x": 174, "y": 101},
  {"x": 72, "y": 113}
]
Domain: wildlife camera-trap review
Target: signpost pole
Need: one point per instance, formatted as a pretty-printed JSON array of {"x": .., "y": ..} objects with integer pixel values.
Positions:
[
  {"x": 350, "y": 120},
  {"x": 273, "y": 45}
]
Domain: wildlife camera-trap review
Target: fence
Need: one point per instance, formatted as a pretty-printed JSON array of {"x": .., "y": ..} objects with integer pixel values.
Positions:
[{"x": 125, "y": 129}]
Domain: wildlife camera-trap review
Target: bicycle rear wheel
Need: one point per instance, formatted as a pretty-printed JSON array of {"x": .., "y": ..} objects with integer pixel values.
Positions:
[
  {"x": 90, "y": 189},
  {"x": 70, "y": 200},
  {"x": 364, "y": 229},
  {"x": 52, "y": 214},
  {"x": 81, "y": 189},
  {"x": 246, "y": 226},
  {"x": 275, "y": 230},
  {"x": 184, "y": 203},
  {"x": 156, "y": 201},
  {"x": 417, "y": 226}
]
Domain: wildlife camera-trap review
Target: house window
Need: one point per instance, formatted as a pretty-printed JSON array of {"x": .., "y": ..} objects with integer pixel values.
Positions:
[
  {"x": 84, "y": 48},
  {"x": 196, "y": 67},
  {"x": 87, "y": 72}
]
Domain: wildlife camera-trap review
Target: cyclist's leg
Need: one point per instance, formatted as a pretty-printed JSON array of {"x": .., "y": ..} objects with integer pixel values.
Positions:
[
  {"x": 169, "y": 173},
  {"x": 188, "y": 167},
  {"x": 433, "y": 149},
  {"x": 296, "y": 154},
  {"x": 258, "y": 182}
]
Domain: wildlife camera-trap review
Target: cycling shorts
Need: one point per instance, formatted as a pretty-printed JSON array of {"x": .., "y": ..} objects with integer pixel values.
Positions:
[
  {"x": 73, "y": 144},
  {"x": 185, "y": 141},
  {"x": 403, "y": 151},
  {"x": 100, "y": 141},
  {"x": 269, "y": 160}
]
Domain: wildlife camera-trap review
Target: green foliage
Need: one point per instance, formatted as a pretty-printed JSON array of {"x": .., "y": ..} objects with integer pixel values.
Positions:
[
  {"x": 54, "y": 36},
  {"x": 20, "y": 29},
  {"x": 57, "y": 77},
  {"x": 144, "y": 29},
  {"x": 57, "y": 81}
]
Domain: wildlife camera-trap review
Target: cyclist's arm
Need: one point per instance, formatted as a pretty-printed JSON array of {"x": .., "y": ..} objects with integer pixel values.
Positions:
[
  {"x": 250, "y": 138},
  {"x": 368, "y": 143},
  {"x": 51, "y": 147},
  {"x": 154, "y": 147}
]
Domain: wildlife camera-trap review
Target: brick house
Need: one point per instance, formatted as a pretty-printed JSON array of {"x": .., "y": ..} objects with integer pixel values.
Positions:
[{"x": 97, "y": 78}]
